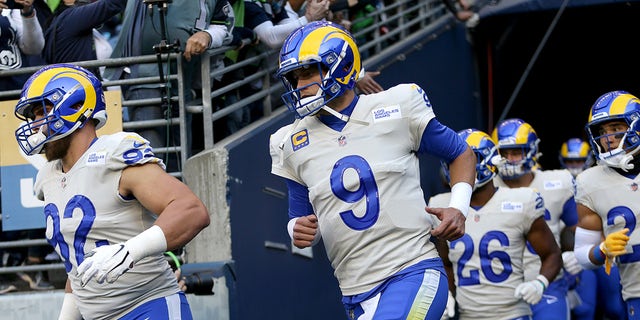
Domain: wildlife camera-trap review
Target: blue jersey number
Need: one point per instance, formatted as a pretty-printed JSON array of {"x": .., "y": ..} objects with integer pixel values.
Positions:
[
  {"x": 368, "y": 190},
  {"x": 80, "y": 237},
  {"x": 629, "y": 222},
  {"x": 486, "y": 258}
]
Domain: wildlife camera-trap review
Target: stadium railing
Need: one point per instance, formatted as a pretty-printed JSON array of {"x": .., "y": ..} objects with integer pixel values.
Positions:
[{"x": 403, "y": 18}]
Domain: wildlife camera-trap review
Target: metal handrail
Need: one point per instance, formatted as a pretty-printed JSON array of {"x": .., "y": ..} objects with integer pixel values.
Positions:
[{"x": 427, "y": 12}]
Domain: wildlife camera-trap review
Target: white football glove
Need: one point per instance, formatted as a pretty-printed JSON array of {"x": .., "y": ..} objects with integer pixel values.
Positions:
[
  {"x": 450, "y": 310},
  {"x": 110, "y": 262},
  {"x": 531, "y": 291},
  {"x": 105, "y": 263},
  {"x": 570, "y": 263}
]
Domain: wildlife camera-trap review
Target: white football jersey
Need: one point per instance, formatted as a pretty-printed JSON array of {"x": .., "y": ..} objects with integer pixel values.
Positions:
[
  {"x": 488, "y": 259},
  {"x": 364, "y": 184},
  {"x": 616, "y": 199},
  {"x": 83, "y": 209},
  {"x": 555, "y": 187}
]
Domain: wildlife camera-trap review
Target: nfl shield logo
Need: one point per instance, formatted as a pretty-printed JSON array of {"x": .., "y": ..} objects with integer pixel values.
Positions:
[
  {"x": 342, "y": 141},
  {"x": 476, "y": 217}
]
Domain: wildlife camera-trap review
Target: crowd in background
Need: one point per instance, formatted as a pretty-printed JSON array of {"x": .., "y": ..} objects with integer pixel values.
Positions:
[{"x": 40, "y": 32}]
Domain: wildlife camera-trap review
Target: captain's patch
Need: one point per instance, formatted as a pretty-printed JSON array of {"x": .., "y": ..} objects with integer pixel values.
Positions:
[{"x": 300, "y": 139}]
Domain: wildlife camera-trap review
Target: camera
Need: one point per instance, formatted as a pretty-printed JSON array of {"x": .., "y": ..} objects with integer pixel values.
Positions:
[
  {"x": 199, "y": 278},
  {"x": 11, "y": 4},
  {"x": 199, "y": 283}
]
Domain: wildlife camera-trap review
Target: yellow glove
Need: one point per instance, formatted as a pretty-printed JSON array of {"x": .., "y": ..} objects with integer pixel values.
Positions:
[{"x": 614, "y": 245}]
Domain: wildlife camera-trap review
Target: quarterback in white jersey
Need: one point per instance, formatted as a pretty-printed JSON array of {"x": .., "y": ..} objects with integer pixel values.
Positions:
[
  {"x": 607, "y": 194},
  {"x": 110, "y": 208},
  {"x": 487, "y": 262},
  {"x": 353, "y": 176},
  {"x": 518, "y": 150}
]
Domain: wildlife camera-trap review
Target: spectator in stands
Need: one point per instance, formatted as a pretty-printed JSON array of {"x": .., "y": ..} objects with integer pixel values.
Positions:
[
  {"x": 71, "y": 33},
  {"x": 188, "y": 30},
  {"x": 271, "y": 21},
  {"x": 366, "y": 84},
  {"x": 36, "y": 280},
  {"x": 463, "y": 12},
  {"x": 20, "y": 35},
  {"x": 358, "y": 15},
  {"x": 10, "y": 258}
]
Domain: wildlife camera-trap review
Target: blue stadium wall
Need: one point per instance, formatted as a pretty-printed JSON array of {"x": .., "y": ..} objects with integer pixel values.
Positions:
[{"x": 274, "y": 283}]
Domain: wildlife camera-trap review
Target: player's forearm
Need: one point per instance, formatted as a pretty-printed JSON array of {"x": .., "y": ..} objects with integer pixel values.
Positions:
[
  {"x": 551, "y": 265},
  {"x": 459, "y": 168},
  {"x": 182, "y": 220}
]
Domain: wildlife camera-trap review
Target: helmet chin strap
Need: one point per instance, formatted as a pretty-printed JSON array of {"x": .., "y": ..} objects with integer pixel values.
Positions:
[
  {"x": 621, "y": 160},
  {"x": 317, "y": 102},
  {"x": 344, "y": 117}
]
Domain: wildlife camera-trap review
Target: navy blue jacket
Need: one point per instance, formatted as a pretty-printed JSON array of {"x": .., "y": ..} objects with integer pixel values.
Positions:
[{"x": 69, "y": 35}]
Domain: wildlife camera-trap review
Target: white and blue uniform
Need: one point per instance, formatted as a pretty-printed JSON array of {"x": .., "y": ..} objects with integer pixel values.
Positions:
[
  {"x": 557, "y": 189},
  {"x": 83, "y": 210},
  {"x": 615, "y": 198},
  {"x": 363, "y": 184},
  {"x": 488, "y": 261}
]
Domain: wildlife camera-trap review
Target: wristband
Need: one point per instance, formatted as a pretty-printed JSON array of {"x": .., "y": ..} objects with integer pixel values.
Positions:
[
  {"x": 173, "y": 257},
  {"x": 290, "y": 225},
  {"x": 544, "y": 281},
  {"x": 150, "y": 242},
  {"x": 598, "y": 255},
  {"x": 460, "y": 197},
  {"x": 69, "y": 310}
]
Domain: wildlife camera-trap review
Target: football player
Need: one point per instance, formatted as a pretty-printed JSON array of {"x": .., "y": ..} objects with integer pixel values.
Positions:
[
  {"x": 487, "y": 262},
  {"x": 350, "y": 163},
  {"x": 575, "y": 155},
  {"x": 111, "y": 210},
  {"x": 518, "y": 155},
  {"x": 607, "y": 194}
]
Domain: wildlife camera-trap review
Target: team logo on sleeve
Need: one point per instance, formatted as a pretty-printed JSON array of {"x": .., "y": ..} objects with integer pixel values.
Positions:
[
  {"x": 386, "y": 113},
  {"x": 300, "y": 139}
]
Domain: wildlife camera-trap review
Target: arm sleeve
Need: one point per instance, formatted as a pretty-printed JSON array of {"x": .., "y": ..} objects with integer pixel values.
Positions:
[
  {"x": 441, "y": 141},
  {"x": 221, "y": 28},
  {"x": 585, "y": 240},
  {"x": 273, "y": 35},
  {"x": 81, "y": 19},
  {"x": 29, "y": 31},
  {"x": 299, "y": 204},
  {"x": 569, "y": 213}
]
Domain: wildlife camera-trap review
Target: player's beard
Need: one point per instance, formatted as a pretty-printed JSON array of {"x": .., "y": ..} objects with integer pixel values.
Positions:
[{"x": 55, "y": 150}]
